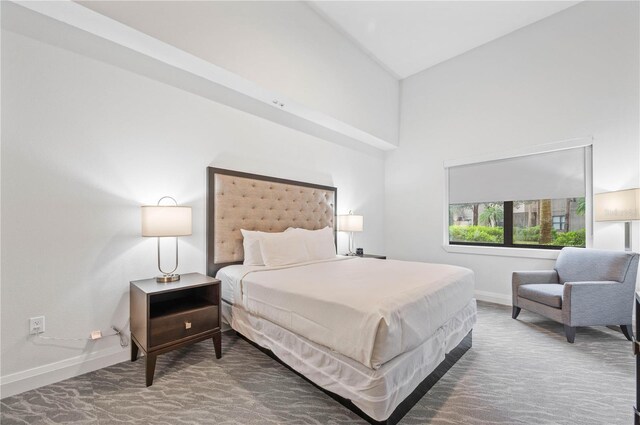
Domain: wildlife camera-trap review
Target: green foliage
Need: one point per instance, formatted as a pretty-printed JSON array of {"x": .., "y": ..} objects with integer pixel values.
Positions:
[
  {"x": 532, "y": 235},
  {"x": 476, "y": 234},
  {"x": 576, "y": 238},
  {"x": 492, "y": 215},
  {"x": 581, "y": 206},
  {"x": 529, "y": 234},
  {"x": 523, "y": 235}
]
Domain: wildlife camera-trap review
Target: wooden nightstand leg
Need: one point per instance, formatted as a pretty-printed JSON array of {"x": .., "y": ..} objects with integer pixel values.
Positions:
[
  {"x": 134, "y": 351},
  {"x": 151, "y": 368},
  {"x": 217, "y": 344}
]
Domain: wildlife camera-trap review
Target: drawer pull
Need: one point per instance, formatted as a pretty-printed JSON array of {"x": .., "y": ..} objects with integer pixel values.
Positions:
[{"x": 187, "y": 325}]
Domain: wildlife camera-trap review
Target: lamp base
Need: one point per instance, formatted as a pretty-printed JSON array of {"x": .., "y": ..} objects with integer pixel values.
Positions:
[{"x": 166, "y": 278}]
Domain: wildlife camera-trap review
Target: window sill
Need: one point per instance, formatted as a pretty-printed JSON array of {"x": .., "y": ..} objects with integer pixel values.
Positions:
[{"x": 547, "y": 254}]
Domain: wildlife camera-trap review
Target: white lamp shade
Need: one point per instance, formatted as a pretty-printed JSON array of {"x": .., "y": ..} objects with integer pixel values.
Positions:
[
  {"x": 166, "y": 221},
  {"x": 350, "y": 223},
  {"x": 623, "y": 205}
]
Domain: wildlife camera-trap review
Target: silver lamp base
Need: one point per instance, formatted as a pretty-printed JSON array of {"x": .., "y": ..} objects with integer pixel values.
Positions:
[{"x": 166, "y": 278}]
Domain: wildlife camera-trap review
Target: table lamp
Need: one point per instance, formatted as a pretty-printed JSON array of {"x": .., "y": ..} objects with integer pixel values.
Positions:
[
  {"x": 350, "y": 223},
  {"x": 621, "y": 205},
  {"x": 166, "y": 221}
]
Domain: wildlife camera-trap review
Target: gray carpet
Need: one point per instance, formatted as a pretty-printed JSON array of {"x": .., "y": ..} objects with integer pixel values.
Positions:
[{"x": 518, "y": 372}]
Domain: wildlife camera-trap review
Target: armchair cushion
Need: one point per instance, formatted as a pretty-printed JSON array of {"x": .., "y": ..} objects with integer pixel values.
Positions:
[{"x": 545, "y": 293}]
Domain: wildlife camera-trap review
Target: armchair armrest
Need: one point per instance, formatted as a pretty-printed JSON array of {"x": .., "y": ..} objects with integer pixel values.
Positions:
[
  {"x": 533, "y": 276},
  {"x": 592, "y": 303}
]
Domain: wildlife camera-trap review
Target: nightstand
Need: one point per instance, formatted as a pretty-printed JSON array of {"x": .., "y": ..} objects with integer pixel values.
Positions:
[
  {"x": 167, "y": 316},
  {"x": 379, "y": 257}
]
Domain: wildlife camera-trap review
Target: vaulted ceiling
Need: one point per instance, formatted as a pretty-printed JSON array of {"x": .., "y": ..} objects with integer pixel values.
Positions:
[{"x": 407, "y": 37}]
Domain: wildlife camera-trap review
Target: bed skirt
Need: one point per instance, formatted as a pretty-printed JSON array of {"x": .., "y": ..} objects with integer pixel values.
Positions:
[{"x": 381, "y": 395}]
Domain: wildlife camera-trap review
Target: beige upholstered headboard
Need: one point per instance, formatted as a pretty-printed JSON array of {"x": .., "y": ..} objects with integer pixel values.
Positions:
[{"x": 237, "y": 200}]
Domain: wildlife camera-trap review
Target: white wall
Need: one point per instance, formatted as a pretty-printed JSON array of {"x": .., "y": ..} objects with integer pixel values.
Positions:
[
  {"x": 84, "y": 144},
  {"x": 571, "y": 75},
  {"x": 282, "y": 46}
]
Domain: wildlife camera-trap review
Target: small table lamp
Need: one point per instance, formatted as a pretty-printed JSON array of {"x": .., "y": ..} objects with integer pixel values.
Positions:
[
  {"x": 166, "y": 221},
  {"x": 350, "y": 223},
  {"x": 622, "y": 205}
]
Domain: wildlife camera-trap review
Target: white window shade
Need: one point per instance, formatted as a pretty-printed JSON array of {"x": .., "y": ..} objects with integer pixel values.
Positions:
[{"x": 549, "y": 175}]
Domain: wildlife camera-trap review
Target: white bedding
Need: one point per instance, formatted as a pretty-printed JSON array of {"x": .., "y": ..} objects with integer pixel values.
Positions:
[
  {"x": 231, "y": 278},
  {"x": 367, "y": 309},
  {"x": 376, "y": 392}
]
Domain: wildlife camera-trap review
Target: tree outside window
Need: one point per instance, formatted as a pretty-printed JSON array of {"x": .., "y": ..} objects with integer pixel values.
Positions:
[{"x": 541, "y": 223}]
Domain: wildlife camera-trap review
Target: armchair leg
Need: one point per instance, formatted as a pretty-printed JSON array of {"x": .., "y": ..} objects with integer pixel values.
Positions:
[
  {"x": 515, "y": 311},
  {"x": 627, "y": 330},
  {"x": 570, "y": 332}
]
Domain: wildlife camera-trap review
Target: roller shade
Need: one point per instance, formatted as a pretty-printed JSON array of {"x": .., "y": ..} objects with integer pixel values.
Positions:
[{"x": 550, "y": 175}]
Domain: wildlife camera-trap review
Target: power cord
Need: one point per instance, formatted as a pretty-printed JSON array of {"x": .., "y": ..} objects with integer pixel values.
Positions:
[{"x": 124, "y": 339}]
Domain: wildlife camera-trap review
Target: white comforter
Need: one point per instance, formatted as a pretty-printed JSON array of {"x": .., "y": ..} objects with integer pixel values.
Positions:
[{"x": 367, "y": 309}]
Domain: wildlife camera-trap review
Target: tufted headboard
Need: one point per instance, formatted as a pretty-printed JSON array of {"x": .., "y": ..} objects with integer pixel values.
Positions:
[{"x": 237, "y": 200}]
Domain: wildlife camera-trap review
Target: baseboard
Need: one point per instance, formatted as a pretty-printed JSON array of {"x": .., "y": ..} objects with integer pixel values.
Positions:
[
  {"x": 30, "y": 379},
  {"x": 493, "y": 297}
]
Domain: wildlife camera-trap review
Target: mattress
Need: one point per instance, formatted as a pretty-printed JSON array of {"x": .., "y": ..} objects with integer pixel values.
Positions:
[
  {"x": 366, "y": 309},
  {"x": 377, "y": 392}
]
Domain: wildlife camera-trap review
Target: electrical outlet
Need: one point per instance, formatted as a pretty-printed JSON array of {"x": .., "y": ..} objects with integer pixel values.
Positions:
[{"x": 36, "y": 325}]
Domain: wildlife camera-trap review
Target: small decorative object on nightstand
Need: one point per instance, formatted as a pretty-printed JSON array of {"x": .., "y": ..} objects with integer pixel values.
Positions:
[
  {"x": 166, "y": 317},
  {"x": 379, "y": 257}
]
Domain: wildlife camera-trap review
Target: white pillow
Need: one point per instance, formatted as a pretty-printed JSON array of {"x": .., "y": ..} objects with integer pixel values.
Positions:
[
  {"x": 320, "y": 243},
  {"x": 251, "y": 245},
  {"x": 281, "y": 249}
]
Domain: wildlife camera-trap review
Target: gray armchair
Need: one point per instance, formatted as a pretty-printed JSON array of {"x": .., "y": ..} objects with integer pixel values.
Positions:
[{"x": 588, "y": 287}]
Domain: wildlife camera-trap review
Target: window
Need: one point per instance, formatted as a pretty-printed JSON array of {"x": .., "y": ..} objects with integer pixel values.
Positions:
[
  {"x": 559, "y": 222},
  {"x": 549, "y": 222},
  {"x": 481, "y": 223},
  {"x": 532, "y": 201}
]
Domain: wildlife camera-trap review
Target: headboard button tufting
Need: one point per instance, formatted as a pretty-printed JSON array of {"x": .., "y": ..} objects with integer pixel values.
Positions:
[{"x": 263, "y": 205}]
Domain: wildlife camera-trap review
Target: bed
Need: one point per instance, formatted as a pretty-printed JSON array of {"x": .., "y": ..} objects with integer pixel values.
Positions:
[{"x": 374, "y": 334}]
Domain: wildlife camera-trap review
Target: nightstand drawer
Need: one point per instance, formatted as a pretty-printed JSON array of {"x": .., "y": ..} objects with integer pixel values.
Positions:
[{"x": 174, "y": 327}]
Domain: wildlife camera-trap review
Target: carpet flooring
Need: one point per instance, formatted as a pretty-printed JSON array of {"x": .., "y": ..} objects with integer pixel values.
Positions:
[{"x": 517, "y": 372}]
